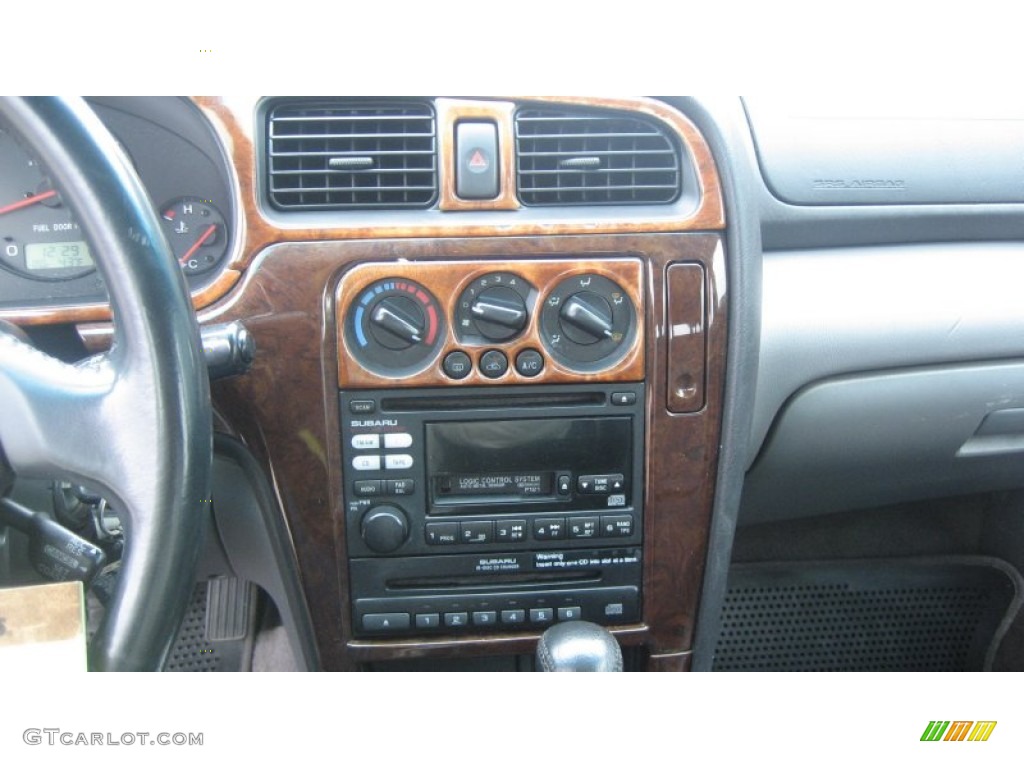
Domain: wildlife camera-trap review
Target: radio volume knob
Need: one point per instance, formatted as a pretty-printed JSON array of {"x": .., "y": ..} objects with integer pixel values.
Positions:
[{"x": 385, "y": 528}]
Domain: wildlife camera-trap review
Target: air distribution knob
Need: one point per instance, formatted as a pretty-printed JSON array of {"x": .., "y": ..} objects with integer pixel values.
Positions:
[
  {"x": 499, "y": 313},
  {"x": 586, "y": 318},
  {"x": 385, "y": 528}
]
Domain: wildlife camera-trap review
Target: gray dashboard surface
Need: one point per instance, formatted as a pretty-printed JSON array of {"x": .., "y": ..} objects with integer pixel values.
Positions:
[
  {"x": 831, "y": 312},
  {"x": 849, "y": 152}
]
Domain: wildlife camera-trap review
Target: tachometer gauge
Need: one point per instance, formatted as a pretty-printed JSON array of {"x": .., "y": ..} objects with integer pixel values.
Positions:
[
  {"x": 197, "y": 233},
  {"x": 39, "y": 237}
]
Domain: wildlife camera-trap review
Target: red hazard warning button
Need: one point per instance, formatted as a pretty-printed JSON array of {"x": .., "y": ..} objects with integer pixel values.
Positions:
[
  {"x": 476, "y": 171},
  {"x": 478, "y": 162}
]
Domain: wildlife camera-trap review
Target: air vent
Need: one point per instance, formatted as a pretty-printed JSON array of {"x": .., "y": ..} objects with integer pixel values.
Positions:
[
  {"x": 594, "y": 158},
  {"x": 352, "y": 154}
]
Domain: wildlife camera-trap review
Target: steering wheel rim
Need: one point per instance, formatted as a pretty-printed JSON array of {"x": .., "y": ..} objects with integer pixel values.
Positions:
[{"x": 134, "y": 423}]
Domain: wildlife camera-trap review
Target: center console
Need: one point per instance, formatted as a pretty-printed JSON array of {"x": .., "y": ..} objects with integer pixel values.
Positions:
[{"x": 511, "y": 498}]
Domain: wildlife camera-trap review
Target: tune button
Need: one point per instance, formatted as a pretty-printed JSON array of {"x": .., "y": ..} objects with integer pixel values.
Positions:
[
  {"x": 457, "y": 365},
  {"x": 493, "y": 364}
]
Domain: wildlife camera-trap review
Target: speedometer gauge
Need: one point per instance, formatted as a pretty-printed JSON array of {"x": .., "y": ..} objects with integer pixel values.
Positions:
[{"x": 39, "y": 237}]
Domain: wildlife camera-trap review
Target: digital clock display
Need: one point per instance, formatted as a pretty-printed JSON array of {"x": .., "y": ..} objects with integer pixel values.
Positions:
[{"x": 40, "y": 256}]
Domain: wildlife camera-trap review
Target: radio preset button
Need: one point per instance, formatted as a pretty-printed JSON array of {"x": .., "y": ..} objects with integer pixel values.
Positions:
[
  {"x": 542, "y": 615},
  {"x": 381, "y": 622},
  {"x": 493, "y": 364},
  {"x": 570, "y": 613},
  {"x": 398, "y": 461},
  {"x": 478, "y": 532},
  {"x": 583, "y": 527},
  {"x": 367, "y": 487},
  {"x": 510, "y": 530},
  {"x": 442, "y": 533},
  {"x": 366, "y": 442},
  {"x": 617, "y": 525},
  {"x": 457, "y": 619},
  {"x": 428, "y": 620},
  {"x": 513, "y": 616},
  {"x": 548, "y": 528},
  {"x": 397, "y": 440},
  {"x": 457, "y": 365},
  {"x": 366, "y": 463},
  {"x": 401, "y": 487},
  {"x": 485, "y": 618}
]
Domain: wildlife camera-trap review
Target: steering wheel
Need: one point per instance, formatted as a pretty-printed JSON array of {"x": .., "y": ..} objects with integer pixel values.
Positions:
[{"x": 134, "y": 423}]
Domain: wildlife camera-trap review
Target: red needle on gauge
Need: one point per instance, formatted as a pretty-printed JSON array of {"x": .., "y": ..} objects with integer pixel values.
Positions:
[
  {"x": 195, "y": 246},
  {"x": 28, "y": 201}
]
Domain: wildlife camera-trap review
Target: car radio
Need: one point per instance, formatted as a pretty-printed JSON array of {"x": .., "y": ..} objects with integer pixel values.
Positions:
[{"x": 497, "y": 500}]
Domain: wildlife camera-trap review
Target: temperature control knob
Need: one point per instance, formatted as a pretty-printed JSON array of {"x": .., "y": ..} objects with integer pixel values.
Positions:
[
  {"x": 397, "y": 323},
  {"x": 385, "y": 528},
  {"x": 394, "y": 327}
]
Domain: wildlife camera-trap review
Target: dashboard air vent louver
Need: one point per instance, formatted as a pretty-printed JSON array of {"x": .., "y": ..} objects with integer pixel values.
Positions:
[
  {"x": 351, "y": 155},
  {"x": 570, "y": 157}
]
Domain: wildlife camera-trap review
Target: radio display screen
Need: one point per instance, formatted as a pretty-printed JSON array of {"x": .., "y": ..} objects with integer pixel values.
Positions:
[{"x": 487, "y": 463}]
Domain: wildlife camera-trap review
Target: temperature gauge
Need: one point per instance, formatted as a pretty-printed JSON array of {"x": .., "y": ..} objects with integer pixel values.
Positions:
[{"x": 197, "y": 233}]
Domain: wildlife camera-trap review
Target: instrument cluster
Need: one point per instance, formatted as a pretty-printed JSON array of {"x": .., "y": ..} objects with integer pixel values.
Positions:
[{"x": 45, "y": 259}]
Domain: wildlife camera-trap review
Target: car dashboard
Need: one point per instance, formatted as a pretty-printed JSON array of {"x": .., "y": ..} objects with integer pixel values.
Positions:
[{"x": 521, "y": 361}]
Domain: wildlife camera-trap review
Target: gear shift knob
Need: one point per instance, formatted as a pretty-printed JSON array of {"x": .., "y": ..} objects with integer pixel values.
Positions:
[{"x": 578, "y": 646}]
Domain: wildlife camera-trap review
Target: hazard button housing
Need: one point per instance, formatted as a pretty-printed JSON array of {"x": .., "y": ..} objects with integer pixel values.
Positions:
[{"x": 476, "y": 166}]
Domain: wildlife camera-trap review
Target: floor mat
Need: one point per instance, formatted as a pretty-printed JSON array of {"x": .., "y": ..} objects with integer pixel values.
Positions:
[{"x": 934, "y": 614}]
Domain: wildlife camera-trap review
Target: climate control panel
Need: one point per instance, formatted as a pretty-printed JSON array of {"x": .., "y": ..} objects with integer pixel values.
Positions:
[{"x": 491, "y": 322}]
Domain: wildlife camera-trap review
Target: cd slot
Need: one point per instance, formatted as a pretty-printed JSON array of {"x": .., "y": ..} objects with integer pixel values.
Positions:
[
  {"x": 492, "y": 580},
  {"x": 491, "y": 402}
]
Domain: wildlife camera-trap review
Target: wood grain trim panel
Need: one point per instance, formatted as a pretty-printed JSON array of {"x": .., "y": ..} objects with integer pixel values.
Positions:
[
  {"x": 286, "y": 410},
  {"x": 235, "y": 121},
  {"x": 446, "y": 281},
  {"x": 94, "y": 313},
  {"x": 451, "y": 111}
]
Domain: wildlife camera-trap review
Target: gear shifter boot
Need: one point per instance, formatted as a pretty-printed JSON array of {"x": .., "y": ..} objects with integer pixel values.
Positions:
[{"x": 578, "y": 646}]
